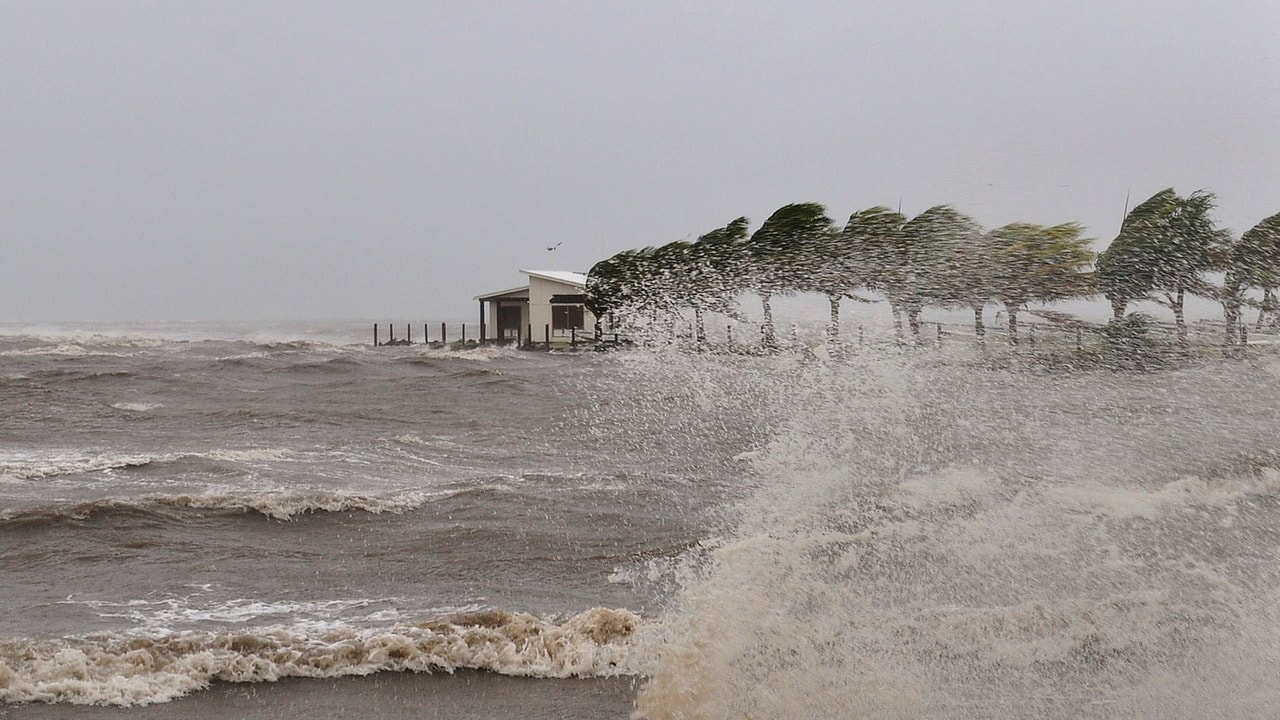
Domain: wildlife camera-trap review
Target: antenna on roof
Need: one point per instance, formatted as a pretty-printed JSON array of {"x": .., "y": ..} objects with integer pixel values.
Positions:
[
  {"x": 552, "y": 250},
  {"x": 1126, "y": 207}
]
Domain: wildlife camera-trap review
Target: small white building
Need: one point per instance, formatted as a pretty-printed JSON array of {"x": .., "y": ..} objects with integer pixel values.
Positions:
[{"x": 547, "y": 310}]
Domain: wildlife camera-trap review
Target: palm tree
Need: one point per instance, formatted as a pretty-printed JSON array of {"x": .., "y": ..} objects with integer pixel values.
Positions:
[
  {"x": 1251, "y": 261},
  {"x": 1193, "y": 245},
  {"x": 1165, "y": 246},
  {"x": 926, "y": 248},
  {"x": 778, "y": 251},
  {"x": 718, "y": 263},
  {"x": 871, "y": 240},
  {"x": 620, "y": 285},
  {"x": 967, "y": 278},
  {"x": 1037, "y": 263},
  {"x": 1126, "y": 269}
]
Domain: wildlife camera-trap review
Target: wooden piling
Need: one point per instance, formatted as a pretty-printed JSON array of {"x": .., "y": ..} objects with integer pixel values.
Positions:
[
  {"x": 391, "y": 330},
  {"x": 426, "y": 337},
  {"x": 375, "y": 334},
  {"x": 444, "y": 337},
  {"x": 408, "y": 333},
  {"x": 464, "y": 333}
]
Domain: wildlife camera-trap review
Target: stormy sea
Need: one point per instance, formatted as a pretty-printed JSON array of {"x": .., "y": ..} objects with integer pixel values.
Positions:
[{"x": 209, "y": 520}]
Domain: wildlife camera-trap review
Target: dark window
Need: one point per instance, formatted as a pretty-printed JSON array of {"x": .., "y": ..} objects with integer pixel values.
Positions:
[{"x": 564, "y": 317}]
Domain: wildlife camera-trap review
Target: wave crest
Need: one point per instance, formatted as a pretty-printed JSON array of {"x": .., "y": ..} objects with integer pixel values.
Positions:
[
  {"x": 133, "y": 670},
  {"x": 74, "y": 463},
  {"x": 275, "y": 505}
]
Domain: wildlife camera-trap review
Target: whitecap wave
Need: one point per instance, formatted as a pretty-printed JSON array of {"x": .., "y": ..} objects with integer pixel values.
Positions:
[
  {"x": 139, "y": 407},
  {"x": 133, "y": 669},
  {"x": 34, "y": 467},
  {"x": 287, "y": 505},
  {"x": 44, "y": 464},
  {"x": 281, "y": 505}
]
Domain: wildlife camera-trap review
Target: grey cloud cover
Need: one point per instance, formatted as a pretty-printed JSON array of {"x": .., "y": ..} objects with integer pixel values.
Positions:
[{"x": 256, "y": 161}]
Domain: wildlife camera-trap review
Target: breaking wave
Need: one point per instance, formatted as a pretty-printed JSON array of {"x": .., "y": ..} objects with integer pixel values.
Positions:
[
  {"x": 131, "y": 669},
  {"x": 275, "y": 505},
  {"x": 33, "y": 466}
]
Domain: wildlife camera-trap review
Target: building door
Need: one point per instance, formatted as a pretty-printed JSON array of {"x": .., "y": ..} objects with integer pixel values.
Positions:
[{"x": 509, "y": 322}]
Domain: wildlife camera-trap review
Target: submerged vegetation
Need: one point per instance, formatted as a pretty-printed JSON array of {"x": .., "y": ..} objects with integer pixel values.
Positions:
[{"x": 1168, "y": 247}]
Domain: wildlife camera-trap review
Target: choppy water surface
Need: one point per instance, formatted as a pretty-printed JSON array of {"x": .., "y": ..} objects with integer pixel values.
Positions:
[{"x": 896, "y": 534}]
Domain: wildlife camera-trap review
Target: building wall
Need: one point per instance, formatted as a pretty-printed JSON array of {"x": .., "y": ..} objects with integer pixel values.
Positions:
[{"x": 540, "y": 292}]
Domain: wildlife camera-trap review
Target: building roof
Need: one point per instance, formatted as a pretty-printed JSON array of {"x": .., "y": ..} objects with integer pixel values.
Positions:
[
  {"x": 577, "y": 280},
  {"x": 517, "y": 293},
  {"x": 560, "y": 276}
]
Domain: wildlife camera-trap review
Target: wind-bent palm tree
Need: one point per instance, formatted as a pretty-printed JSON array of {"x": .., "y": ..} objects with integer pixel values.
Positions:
[
  {"x": 1126, "y": 268},
  {"x": 778, "y": 254},
  {"x": 1253, "y": 261},
  {"x": 967, "y": 280},
  {"x": 926, "y": 247},
  {"x": 718, "y": 271},
  {"x": 1164, "y": 248},
  {"x": 1037, "y": 263},
  {"x": 871, "y": 240}
]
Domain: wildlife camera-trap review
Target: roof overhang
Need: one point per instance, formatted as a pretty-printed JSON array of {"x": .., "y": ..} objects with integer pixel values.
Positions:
[
  {"x": 518, "y": 293},
  {"x": 563, "y": 277}
]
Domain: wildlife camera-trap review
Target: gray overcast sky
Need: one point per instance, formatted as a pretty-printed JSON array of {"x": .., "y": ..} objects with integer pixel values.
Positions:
[{"x": 267, "y": 160}]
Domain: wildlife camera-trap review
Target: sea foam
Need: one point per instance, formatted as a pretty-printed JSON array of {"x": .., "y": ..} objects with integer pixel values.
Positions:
[{"x": 110, "y": 669}]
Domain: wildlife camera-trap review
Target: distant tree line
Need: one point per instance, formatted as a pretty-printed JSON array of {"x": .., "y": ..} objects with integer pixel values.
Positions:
[{"x": 1167, "y": 248}]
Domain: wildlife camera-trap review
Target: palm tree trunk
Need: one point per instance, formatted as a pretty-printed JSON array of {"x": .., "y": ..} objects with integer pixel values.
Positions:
[
  {"x": 1118, "y": 308},
  {"x": 1268, "y": 305},
  {"x": 913, "y": 319},
  {"x": 833, "y": 328},
  {"x": 699, "y": 327},
  {"x": 979, "y": 327},
  {"x": 1233, "y": 323},
  {"x": 897, "y": 320},
  {"x": 767, "y": 329},
  {"x": 1013, "y": 325},
  {"x": 1180, "y": 319}
]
